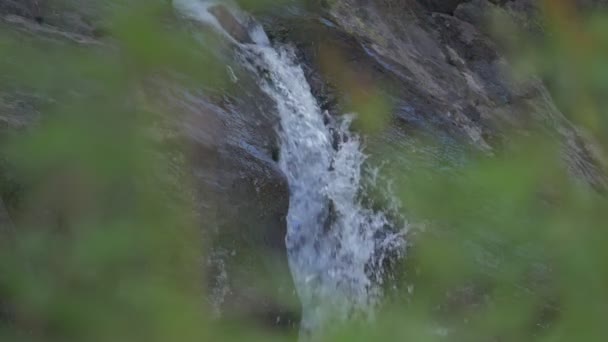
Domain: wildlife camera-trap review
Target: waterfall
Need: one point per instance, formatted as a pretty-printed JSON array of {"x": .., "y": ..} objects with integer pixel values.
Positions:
[{"x": 336, "y": 245}]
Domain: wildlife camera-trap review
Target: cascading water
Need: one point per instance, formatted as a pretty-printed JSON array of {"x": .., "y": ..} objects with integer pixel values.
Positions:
[
  {"x": 333, "y": 240},
  {"x": 336, "y": 245}
]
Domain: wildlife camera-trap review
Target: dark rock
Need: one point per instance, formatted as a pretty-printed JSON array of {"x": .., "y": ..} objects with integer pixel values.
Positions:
[
  {"x": 252, "y": 207},
  {"x": 242, "y": 199},
  {"x": 475, "y": 12},
  {"x": 441, "y": 6},
  {"x": 24, "y": 8}
]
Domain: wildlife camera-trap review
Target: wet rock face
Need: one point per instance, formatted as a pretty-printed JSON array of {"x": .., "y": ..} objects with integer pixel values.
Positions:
[
  {"x": 440, "y": 69},
  {"x": 442, "y": 63},
  {"x": 250, "y": 241},
  {"x": 243, "y": 199}
]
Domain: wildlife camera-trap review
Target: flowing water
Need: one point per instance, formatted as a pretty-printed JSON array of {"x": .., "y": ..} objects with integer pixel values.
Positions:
[{"x": 336, "y": 244}]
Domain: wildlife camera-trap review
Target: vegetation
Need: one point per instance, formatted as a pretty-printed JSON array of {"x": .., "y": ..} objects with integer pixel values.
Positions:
[{"x": 103, "y": 242}]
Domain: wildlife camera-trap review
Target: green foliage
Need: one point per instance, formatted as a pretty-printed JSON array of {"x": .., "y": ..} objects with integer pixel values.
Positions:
[
  {"x": 514, "y": 248},
  {"x": 98, "y": 253}
]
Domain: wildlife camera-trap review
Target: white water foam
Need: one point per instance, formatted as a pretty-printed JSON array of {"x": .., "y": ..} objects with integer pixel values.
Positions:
[{"x": 336, "y": 244}]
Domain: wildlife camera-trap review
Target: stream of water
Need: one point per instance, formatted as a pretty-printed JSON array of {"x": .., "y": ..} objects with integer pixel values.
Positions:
[{"x": 336, "y": 244}]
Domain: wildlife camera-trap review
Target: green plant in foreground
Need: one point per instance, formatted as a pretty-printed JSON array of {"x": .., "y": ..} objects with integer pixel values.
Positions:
[{"x": 515, "y": 248}]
